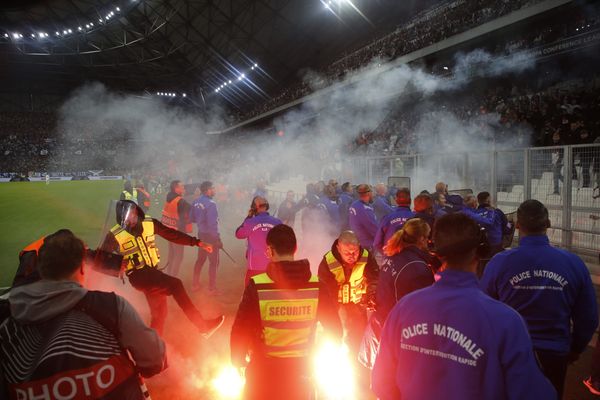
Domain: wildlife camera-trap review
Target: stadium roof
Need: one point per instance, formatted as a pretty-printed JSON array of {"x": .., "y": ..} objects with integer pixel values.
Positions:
[{"x": 182, "y": 46}]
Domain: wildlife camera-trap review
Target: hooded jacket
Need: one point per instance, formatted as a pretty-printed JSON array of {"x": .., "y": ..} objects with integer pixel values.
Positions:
[
  {"x": 362, "y": 221},
  {"x": 42, "y": 304},
  {"x": 390, "y": 224},
  {"x": 246, "y": 332}
]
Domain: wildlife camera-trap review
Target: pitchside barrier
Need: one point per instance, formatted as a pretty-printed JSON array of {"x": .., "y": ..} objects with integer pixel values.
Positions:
[{"x": 565, "y": 178}]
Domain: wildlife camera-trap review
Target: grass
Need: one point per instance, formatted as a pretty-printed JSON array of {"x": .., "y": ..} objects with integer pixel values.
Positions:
[{"x": 31, "y": 210}]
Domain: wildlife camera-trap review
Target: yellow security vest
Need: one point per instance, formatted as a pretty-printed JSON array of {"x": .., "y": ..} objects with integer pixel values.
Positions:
[
  {"x": 130, "y": 196},
  {"x": 289, "y": 316},
  {"x": 353, "y": 289},
  {"x": 141, "y": 250}
]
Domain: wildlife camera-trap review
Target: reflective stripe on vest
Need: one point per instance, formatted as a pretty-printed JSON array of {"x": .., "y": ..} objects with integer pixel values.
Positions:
[
  {"x": 288, "y": 316},
  {"x": 130, "y": 196},
  {"x": 353, "y": 289},
  {"x": 141, "y": 250}
]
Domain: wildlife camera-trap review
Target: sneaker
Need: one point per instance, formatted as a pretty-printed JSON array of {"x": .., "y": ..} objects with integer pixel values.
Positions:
[
  {"x": 593, "y": 386},
  {"x": 211, "y": 325}
]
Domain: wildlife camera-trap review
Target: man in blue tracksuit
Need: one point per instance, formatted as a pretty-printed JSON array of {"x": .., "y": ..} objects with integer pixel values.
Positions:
[
  {"x": 499, "y": 225},
  {"x": 393, "y": 222},
  {"x": 361, "y": 217},
  {"x": 345, "y": 199},
  {"x": 204, "y": 213},
  {"x": 550, "y": 287},
  {"x": 381, "y": 204},
  {"x": 450, "y": 341},
  {"x": 254, "y": 229}
]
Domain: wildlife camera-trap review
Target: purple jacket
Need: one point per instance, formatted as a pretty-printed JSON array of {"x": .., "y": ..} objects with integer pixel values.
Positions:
[{"x": 255, "y": 230}]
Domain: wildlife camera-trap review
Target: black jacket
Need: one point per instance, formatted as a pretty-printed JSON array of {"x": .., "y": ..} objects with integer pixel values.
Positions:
[{"x": 371, "y": 273}]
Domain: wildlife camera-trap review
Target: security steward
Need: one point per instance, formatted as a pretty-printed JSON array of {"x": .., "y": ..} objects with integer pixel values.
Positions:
[
  {"x": 451, "y": 341},
  {"x": 134, "y": 238},
  {"x": 499, "y": 226},
  {"x": 59, "y": 340},
  {"x": 175, "y": 215},
  {"x": 276, "y": 320},
  {"x": 129, "y": 193},
  {"x": 350, "y": 273},
  {"x": 552, "y": 290}
]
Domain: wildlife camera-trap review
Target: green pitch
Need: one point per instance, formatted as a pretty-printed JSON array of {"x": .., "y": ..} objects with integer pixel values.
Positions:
[{"x": 31, "y": 210}]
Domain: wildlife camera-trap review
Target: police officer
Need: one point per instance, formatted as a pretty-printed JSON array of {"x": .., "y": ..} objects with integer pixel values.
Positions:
[
  {"x": 134, "y": 238},
  {"x": 205, "y": 215},
  {"x": 394, "y": 221},
  {"x": 451, "y": 341},
  {"x": 276, "y": 320},
  {"x": 254, "y": 229},
  {"x": 350, "y": 273},
  {"x": 331, "y": 208},
  {"x": 423, "y": 207},
  {"x": 175, "y": 215},
  {"x": 499, "y": 224},
  {"x": 381, "y": 204},
  {"x": 550, "y": 287},
  {"x": 345, "y": 199},
  {"x": 361, "y": 216},
  {"x": 60, "y": 340}
]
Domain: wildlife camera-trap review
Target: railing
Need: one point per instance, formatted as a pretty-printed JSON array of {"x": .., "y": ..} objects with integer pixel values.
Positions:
[{"x": 565, "y": 178}]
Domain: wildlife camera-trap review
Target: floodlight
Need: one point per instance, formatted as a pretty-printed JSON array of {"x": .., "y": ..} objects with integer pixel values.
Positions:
[
  {"x": 184, "y": 95},
  {"x": 33, "y": 35},
  {"x": 230, "y": 82},
  {"x": 64, "y": 32},
  {"x": 78, "y": 28},
  {"x": 70, "y": 31},
  {"x": 6, "y": 35},
  {"x": 41, "y": 34},
  {"x": 91, "y": 24},
  {"x": 57, "y": 33},
  {"x": 445, "y": 68},
  {"x": 158, "y": 94},
  {"x": 118, "y": 9},
  {"x": 21, "y": 35},
  {"x": 255, "y": 65},
  {"x": 216, "y": 90},
  {"x": 243, "y": 76}
]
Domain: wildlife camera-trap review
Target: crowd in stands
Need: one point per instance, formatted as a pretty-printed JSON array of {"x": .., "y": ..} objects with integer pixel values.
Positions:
[
  {"x": 530, "y": 117},
  {"x": 429, "y": 27}
]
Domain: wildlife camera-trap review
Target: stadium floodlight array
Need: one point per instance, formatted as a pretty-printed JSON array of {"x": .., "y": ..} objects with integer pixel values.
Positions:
[
  {"x": 88, "y": 27},
  {"x": 170, "y": 94},
  {"x": 240, "y": 78}
]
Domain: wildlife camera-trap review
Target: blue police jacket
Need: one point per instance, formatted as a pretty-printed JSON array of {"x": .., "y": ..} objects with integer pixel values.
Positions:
[
  {"x": 381, "y": 207},
  {"x": 333, "y": 210},
  {"x": 485, "y": 221},
  {"x": 345, "y": 200},
  {"x": 551, "y": 288},
  {"x": 451, "y": 341},
  {"x": 391, "y": 224},
  {"x": 204, "y": 213},
  {"x": 401, "y": 274},
  {"x": 361, "y": 218},
  {"x": 498, "y": 224},
  {"x": 255, "y": 230}
]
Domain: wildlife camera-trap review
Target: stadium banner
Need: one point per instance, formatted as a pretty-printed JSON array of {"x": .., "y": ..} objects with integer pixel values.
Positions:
[
  {"x": 567, "y": 44},
  {"x": 105, "y": 178}
]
